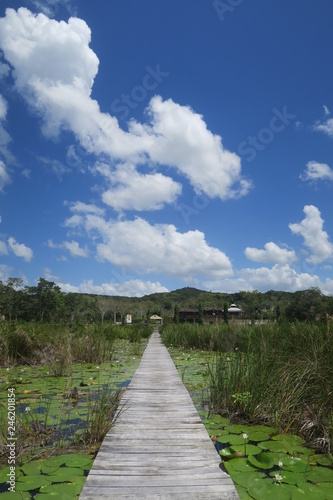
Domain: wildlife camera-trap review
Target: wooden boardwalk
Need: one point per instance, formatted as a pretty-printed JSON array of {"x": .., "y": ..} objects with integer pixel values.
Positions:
[{"x": 159, "y": 447}]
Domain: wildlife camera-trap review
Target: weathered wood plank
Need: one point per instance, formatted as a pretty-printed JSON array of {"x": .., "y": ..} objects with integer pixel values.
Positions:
[{"x": 158, "y": 448}]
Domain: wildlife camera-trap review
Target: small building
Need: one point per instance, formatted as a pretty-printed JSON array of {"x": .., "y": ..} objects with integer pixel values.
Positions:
[
  {"x": 235, "y": 312},
  {"x": 156, "y": 319},
  {"x": 209, "y": 315}
]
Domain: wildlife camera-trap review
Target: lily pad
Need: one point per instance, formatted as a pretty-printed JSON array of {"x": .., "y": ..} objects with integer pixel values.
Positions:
[
  {"x": 262, "y": 461},
  {"x": 324, "y": 460},
  {"x": 232, "y": 439},
  {"x": 56, "y": 461},
  {"x": 238, "y": 465},
  {"x": 289, "y": 477},
  {"x": 245, "y": 479},
  {"x": 62, "y": 491},
  {"x": 295, "y": 464},
  {"x": 291, "y": 439},
  {"x": 229, "y": 453},
  {"x": 234, "y": 429},
  {"x": 78, "y": 481},
  {"x": 306, "y": 490},
  {"x": 3, "y": 474},
  {"x": 79, "y": 460},
  {"x": 257, "y": 436},
  {"x": 250, "y": 449},
  {"x": 260, "y": 490},
  {"x": 64, "y": 474},
  {"x": 32, "y": 482},
  {"x": 17, "y": 495},
  {"x": 320, "y": 475}
]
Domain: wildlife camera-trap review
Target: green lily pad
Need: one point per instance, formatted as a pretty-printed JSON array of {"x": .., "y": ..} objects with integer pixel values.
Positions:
[
  {"x": 79, "y": 460},
  {"x": 327, "y": 488},
  {"x": 234, "y": 429},
  {"x": 291, "y": 439},
  {"x": 307, "y": 491},
  {"x": 32, "y": 482},
  {"x": 242, "y": 492},
  {"x": 263, "y": 428},
  {"x": 289, "y": 477},
  {"x": 295, "y": 465},
  {"x": 245, "y": 479},
  {"x": 262, "y": 461},
  {"x": 278, "y": 447},
  {"x": 232, "y": 439},
  {"x": 258, "y": 436},
  {"x": 220, "y": 420},
  {"x": 3, "y": 474},
  {"x": 61, "y": 491},
  {"x": 78, "y": 481},
  {"x": 324, "y": 460},
  {"x": 32, "y": 468},
  {"x": 266, "y": 489},
  {"x": 320, "y": 475},
  {"x": 250, "y": 449},
  {"x": 18, "y": 495},
  {"x": 56, "y": 461},
  {"x": 64, "y": 474},
  {"x": 238, "y": 465},
  {"x": 228, "y": 453}
]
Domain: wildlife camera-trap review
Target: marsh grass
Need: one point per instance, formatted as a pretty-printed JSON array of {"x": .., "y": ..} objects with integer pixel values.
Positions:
[{"x": 276, "y": 374}]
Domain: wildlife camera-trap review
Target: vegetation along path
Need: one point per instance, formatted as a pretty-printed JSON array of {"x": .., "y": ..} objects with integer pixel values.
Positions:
[{"x": 158, "y": 447}]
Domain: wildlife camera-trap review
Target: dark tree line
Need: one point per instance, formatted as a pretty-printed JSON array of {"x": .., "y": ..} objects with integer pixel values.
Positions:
[{"x": 45, "y": 302}]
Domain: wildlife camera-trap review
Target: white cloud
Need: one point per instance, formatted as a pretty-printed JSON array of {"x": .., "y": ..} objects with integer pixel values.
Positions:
[
  {"x": 130, "y": 288},
  {"x": 326, "y": 127},
  {"x": 263, "y": 279},
  {"x": 178, "y": 137},
  {"x": 326, "y": 110},
  {"x": 4, "y": 176},
  {"x": 315, "y": 238},
  {"x": 317, "y": 171},
  {"x": 72, "y": 246},
  {"x": 144, "y": 248},
  {"x": 20, "y": 250},
  {"x": 132, "y": 190},
  {"x": 55, "y": 71},
  {"x": 3, "y": 248},
  {"x": 272, "y": 254},
  {"x": 85, "y": 208},
  {"x": 4, "y": 70}
]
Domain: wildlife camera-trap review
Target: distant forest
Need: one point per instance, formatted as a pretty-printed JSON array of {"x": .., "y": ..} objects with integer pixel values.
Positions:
[{"x": 47, "y": 303}]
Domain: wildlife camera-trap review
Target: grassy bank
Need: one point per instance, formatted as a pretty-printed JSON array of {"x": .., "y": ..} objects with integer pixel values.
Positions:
[{"x": 278, "y": 375}]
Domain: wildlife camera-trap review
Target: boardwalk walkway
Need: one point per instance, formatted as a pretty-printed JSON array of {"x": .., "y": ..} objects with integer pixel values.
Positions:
[{"x": 158, "y": 447}]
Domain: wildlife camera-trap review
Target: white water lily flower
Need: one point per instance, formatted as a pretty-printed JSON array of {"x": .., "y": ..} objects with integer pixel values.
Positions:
[
  {"x": 278, "y": 477},
  {"x": 27, "y": 409},
  {"x": 245, "y": 436},
  {"x": 280, "y": 464}
]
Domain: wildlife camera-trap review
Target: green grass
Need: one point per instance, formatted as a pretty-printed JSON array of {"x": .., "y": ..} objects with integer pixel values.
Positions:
[{"x": 279, "y": 375}]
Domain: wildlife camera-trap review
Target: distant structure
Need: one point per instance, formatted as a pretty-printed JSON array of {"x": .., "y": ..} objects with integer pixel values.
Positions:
[
  {"x": 156, "y": 319},
  {"x": 210, "y": 315},
  {"x": 128, "y": 319},
  {"x": 235, "y": 313}
]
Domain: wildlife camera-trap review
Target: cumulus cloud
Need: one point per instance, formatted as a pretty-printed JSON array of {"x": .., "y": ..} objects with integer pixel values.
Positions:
[
  {"x": 20, "y": 250},
  {"x": 55, "y": 70},
  {"x": 326, "y": 127},
  {"x": 179, "y": 137},
  {"x": 315, "y": 238},
  {"x": 130, "y": 288},
  {"x": 3, "y": 248},
  {"x": 144, "y": 248},
  {"x": 272, "y": 254},
  {"x": 132, "y": 190},
  {"x": 317, "y": 171},
  {"x": 4, "y": 176},
  {"x": 86, "y": 208},
  {"x": 263, "y": 279},
  {"x": 72, "y": 246}
]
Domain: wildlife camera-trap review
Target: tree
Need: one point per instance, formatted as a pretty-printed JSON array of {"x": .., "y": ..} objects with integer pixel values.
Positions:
[
  {"x": 176, "y": 314},
  {"x": 104, "y": 305}
]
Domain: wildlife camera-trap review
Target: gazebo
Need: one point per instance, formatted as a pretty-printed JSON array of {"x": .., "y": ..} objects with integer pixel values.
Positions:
[
  {"x": 157, "y": 319},
  {"x": 235, "y": 312}
]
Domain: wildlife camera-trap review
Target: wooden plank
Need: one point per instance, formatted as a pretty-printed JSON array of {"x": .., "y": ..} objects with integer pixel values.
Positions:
[{"x": 158, "y": 447}]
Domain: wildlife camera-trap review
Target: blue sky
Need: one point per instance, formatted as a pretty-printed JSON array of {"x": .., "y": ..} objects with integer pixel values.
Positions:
[{"x": 147, "y": 146}]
